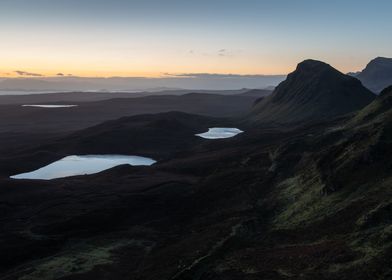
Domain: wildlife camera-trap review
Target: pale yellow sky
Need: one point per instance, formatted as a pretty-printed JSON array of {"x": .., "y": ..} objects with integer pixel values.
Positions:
[
  {"x": 147, "y": 63},
  {"x": 150, "y": 38}
]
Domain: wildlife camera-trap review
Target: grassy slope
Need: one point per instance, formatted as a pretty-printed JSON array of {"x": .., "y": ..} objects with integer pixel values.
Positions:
[{"x": 309, "y": 204}]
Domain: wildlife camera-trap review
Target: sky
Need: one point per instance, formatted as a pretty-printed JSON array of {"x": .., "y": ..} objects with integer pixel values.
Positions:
[{"x": 155, "y": 38}]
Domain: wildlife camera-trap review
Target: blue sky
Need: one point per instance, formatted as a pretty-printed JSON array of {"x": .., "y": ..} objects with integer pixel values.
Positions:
[{"x": 148, "y": 38}]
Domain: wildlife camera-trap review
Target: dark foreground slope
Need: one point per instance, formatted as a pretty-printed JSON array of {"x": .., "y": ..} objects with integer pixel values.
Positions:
[
  {"x": 377, "y": 74},
  {"x": 314, "y": 91},
  {"x": 311, "y": 203}
]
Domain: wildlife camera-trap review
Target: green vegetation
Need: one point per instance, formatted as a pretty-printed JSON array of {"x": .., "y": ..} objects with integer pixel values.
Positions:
[{"x": 78, "y": 259}]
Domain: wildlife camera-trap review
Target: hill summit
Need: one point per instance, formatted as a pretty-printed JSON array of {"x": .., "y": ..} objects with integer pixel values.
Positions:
[
  {"x": 314, "y": 91},
  {"x": 377, "y": 74}
]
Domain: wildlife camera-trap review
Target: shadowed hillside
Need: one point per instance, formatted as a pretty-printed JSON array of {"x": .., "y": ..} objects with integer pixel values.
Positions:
[
  {"x": 14, "y": 118},
  {"x": 308, "y": 203},
  {"x": 314, "y": 91},
  {"x": 377, "y": 74}
]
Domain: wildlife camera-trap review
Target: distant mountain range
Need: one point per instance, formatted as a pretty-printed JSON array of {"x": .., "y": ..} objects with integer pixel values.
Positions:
[
  {"x": 314, "y": 91},
  {"x": 377, "y": 75}
]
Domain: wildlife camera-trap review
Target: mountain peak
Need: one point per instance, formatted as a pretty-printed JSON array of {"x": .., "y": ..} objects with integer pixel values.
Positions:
[
  {"x": 384, "y": 62},
  {"x": 311, "y": 66},
  {"x": 314, "y": 91},
  {"x": 381, "y": 59},
  {"x": 312, "y": 77},
  {"x": 311, "y": 63},
  {"x": 377, "y": 74}
]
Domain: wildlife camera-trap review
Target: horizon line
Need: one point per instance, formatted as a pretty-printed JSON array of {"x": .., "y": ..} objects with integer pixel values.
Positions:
[{"x": 164, "y": 76}]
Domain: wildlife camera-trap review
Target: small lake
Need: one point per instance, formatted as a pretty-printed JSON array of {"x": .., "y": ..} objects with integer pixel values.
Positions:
[
  {"x": 83, "y": 165},
  {"x": 49, "y": 106},
  {"x": 220, "y": 133}
]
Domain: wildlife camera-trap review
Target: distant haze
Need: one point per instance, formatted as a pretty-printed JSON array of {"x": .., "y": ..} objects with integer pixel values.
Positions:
[{"x": 183, "y": 81}]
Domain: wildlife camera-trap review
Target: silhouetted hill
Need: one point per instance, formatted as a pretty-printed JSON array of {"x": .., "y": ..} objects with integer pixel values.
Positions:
[
  {"x": 15, "y": 118},
  {"x": 314, "y": 91},
  {"x": 377, "y": 75},
  {"x": 157, "y": 135},
  {"x": 257, "y": 93}
]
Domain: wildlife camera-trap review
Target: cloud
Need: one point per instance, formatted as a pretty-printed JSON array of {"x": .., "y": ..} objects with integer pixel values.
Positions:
[
  {"x": 228, "y": 53},
  {"x": 60, "y": 74},
  {"x": 217, "y": 76},
  {"x": 24, "y": 73},
  {"x": 222, "y": 52}
]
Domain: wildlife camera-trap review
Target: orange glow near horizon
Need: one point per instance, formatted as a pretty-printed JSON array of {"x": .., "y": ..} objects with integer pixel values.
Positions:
[
  {"x": 150, "y": 72},
  {"x": 11, "y": 72},
  {"x": 153, "y": 57},
  {"x": 150, "y": 38},
  {"x": 154, "y": 60},
  {"x": 142, "y": 65}
]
